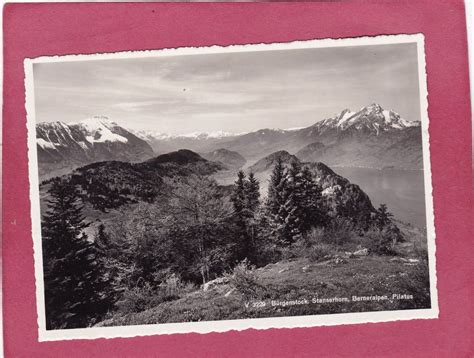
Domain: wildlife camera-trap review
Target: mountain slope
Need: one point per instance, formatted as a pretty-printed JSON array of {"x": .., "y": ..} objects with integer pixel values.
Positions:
[
  {"x": 344, "y": 199},
  {"x": 371, "y": 137},
  {"x": 230, "y": 159},
  {"x": 268, "y": 162},
  {"x": 62, "y": 147},
  {"x": 111, "y": 184}
]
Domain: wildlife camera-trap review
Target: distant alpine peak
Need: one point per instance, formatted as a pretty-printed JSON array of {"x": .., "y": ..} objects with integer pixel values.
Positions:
[
  {"x": 205, "y": 135},
  {"x": 151, "y": 134},
  {"x": 95, "y": 122},
  {"x": 101, "y": 129},
  {"x": 372, "y": 117}
]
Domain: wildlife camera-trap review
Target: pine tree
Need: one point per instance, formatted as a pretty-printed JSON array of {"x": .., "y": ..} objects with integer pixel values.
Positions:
[
  {"x": 252, "y": 204},
  {"x": 383, "y": 216},
  {"x": 295, "y": 202},
  {"x": 314, "y": 211},
  {"x": 245, "y": 199},
  {"x": 73, "y": 276},
  {"x": 106, "y": 254},
  {"x": 101, "y": 239},
  {"x": 238, "y": 197},
  {"x": 252, "y": 195},
  {"x": 277, "y": 200}
]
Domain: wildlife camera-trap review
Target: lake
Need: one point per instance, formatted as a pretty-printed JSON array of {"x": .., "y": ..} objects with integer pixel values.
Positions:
[{"x": 402, "y": 190}]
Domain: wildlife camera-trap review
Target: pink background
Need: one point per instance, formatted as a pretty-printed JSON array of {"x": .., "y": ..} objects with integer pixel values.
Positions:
[{"x": 33, "y": 30}]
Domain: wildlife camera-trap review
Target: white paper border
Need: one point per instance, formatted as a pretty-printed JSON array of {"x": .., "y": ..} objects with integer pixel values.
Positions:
[{"x": 241, "y": 324}]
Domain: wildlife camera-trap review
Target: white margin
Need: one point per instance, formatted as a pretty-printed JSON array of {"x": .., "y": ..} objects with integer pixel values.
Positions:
[{"x": 241, "y": 324}]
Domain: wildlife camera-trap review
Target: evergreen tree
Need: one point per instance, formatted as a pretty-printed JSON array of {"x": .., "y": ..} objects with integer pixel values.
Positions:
[
  {"x": 277, "y": 200},
  {"x": 252, "y": 195},
  {"x": 75, "y": 285},
  {"x": 252, "y": 204},
  {"x": 101, "y": 239},
  {"x": 295, "y": 202},
  {"x": 106, "y": 254},
  {"x": 312, "y": 202},
  {"x": 238, "y": 197},
  {"x": 245, "y": 200},
  {"x": 383, "y": 216}
]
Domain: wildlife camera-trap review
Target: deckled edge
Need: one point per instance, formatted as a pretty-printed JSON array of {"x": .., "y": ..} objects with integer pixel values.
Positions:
[{"x": 242, "y": 324}]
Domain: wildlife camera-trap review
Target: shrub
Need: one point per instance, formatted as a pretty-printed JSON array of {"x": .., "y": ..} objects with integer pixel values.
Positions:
[
  {"x": 317, "y": 245},
  {"x": 340, "y": 231},
  {"x": 144, "y": 296},
  {"x": 379, "y": 242},
  {"x": 319, "y": 252},
  {"x": 138, "y": 299},
  {"x": 244, "y": 279}
]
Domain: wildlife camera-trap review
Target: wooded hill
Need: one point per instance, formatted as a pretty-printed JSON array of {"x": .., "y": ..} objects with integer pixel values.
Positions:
[{"x": 177, "y": 229}]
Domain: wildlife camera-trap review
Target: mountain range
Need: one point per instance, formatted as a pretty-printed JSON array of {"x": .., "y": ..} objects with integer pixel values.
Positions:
[
  {"x": 112, "y": 184},
  {"x": 62, "y": 147},
  {"x": 371, "y": 137}
]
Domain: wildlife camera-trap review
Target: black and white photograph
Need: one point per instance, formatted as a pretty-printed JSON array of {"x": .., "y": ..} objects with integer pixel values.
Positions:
[{"x": 218, "y": 188}]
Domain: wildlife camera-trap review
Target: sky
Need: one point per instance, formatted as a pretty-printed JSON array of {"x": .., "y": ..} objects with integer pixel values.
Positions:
[{"x": 233, "y": 92}]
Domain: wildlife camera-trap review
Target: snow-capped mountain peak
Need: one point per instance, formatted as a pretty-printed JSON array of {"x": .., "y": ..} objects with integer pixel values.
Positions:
[
  {"x": 64, "y": 146},
  {"x": 205, "y": 135},
  {"x": 150, "y": 134},
  {"x": 99, "y": 129},
  {"x": 373, "y": 117},
  {"x": 95, "y": 123}
]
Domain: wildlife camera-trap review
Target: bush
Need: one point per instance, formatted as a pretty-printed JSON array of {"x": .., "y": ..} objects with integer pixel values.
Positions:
[
  {"x": 379, "y": 242},
  {"x": 244, "y": 279},
  {"x": 319, "y": 252},
  {"x": 339, "y": 231},
  {"x": 144, "y": 296},
  {"x": 137, "y": 299},
  {"x": 317, "y": 245}
]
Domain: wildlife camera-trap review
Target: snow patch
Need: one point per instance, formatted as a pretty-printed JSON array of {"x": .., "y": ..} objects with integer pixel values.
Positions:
[
  {"x": 387, "y": 116},
  {"x": 99, "y": 130},
  {"x": 45, "y": 144},
  {"x": 83, "y": 145}
]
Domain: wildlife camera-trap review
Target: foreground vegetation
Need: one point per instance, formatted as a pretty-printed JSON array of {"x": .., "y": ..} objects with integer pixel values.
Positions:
[
  {"x": 196, "y": 251},
  {"x": 290, "y": 287}
]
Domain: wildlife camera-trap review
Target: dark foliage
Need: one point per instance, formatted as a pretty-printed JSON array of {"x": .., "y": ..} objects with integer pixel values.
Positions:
[
  {"x": 179, "y": 228},
  {"x": 76, "y": 285}
]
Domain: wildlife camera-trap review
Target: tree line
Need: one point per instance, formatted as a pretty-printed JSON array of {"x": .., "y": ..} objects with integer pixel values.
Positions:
[{"x": 193, "y": 232}]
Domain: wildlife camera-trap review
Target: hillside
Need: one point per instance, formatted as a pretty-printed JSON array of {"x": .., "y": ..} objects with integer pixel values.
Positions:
[
  {"x": 63, "y": 147},
  {"x": 111, "y": 184},
  {"x": 268, "y": 162},
  {"x": 372, "y": 137},
  {"x": 343, "y": 197},
  {"x": 337, "y": 282},
  {"x": 231, "y": 159}
]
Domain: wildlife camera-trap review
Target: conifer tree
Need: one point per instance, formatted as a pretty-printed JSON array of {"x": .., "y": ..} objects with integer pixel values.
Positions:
[
  {"x": 295, "y": 202},
  {"x": 314, "y": 212},
  {"x": 383, "y": 216},
  {"x": 277, "y": 200},
  {"x": 238, "y": 197},
  {"x": 75, "y": 286},
  {"x": 245, "y": 199},
  {"x": 252, "y": 204},
  {"x": 252, "y": 195}
]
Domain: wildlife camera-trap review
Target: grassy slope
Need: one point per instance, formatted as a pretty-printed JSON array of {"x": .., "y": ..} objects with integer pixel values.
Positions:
[{"x": 301, "y": 279}]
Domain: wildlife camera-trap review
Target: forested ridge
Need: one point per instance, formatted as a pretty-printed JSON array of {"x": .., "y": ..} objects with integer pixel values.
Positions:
[{"x": 184, "y": 231}]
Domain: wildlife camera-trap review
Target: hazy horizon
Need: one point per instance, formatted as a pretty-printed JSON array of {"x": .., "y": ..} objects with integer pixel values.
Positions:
[{"x": 230, "y": 92}]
